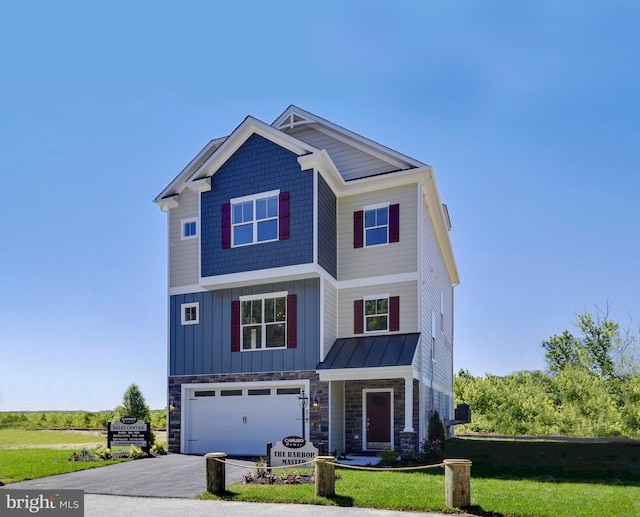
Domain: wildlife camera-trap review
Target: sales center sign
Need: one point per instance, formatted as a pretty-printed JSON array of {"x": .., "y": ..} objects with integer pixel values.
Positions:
[{"x": 128, "y": 431}]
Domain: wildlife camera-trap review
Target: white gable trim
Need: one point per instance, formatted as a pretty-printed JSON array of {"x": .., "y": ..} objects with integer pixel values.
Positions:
[{"x": 249, "y": 126}]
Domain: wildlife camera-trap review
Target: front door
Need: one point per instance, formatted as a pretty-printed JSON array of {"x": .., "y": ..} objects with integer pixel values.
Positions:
[{"x": 378, "y": 420}]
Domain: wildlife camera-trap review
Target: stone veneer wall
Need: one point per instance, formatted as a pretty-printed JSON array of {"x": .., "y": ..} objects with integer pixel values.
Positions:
[
  {"x": 404, "y": 442},
  {"x": 318, "y": 416}
]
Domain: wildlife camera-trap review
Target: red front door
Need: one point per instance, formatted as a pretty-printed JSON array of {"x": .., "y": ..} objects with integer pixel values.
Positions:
[{"x": 378, "y": 428}]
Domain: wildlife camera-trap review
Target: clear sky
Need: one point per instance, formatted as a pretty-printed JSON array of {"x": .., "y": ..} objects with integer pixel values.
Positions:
[{"x": 529, "y": 112}]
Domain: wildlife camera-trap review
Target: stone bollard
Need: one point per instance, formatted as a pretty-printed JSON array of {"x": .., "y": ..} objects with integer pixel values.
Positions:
[
  {"x": 457, "y": 483},
  {"x": 325, "y": 476},
  {"x": 216, "y": 481}
]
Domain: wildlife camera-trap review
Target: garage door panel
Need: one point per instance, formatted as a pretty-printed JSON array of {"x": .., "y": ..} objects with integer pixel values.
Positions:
[{"x": 240, "y": 424}]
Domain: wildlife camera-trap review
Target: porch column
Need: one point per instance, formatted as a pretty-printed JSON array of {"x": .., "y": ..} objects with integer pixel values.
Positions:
[{"x": 408, "y": 405}]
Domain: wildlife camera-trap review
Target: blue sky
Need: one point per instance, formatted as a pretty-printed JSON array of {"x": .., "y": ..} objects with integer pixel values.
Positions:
[{"x": 527, "y": 110}]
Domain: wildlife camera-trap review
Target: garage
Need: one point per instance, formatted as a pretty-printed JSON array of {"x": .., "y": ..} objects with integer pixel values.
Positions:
[{"x": 239, "y": 420}]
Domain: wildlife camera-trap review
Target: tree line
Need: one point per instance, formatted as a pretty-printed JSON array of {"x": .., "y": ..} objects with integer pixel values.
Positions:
[{"x": 591, "y": 387}]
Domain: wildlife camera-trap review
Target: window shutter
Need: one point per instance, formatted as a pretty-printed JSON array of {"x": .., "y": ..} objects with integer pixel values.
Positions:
[
  {"x": 226, "y": 226},
  {"x": 283, "y": 215},
  {"x": 394, "y": 313},
  {"x": 358, "y": 229},
  {"x": 235, "y": 326},
  {"x": 358, "y": 316},
  {"x": 394, "y": 223},
  {"x": 292, "y": 323}
]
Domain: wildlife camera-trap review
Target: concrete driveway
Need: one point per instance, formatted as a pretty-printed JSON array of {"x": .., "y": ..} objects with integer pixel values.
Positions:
[{"x": 173, "y": 475}]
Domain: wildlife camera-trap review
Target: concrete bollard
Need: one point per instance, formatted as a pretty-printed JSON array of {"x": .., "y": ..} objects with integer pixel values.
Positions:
[
  {"x": 325, "y": 476},
  {"x": 216, "y": 481},
  {"x": 457, "y": 483}
]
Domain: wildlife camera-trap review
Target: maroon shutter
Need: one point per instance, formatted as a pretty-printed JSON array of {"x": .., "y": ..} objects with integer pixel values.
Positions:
[
  {"x": 358, "y": 316},
  {"x": 394, "y": 313},
  {"x": 394, "y": 223},
  {"x": 283, "y": 216},
  {"x": 226, "y": 226},
  {"x": 292, "y": 323},
  {"x": 235, "y": 326},
  {"x": 358, "y": 229}
]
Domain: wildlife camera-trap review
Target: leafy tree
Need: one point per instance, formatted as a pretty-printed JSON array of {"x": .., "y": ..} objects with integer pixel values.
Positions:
[{"x": 133, "y": 404}]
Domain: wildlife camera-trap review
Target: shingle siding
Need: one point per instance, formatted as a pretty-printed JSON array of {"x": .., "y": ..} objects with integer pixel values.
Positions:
[
  {"x": 257, "y": 166},
  {"x": 327, "y": 228}
]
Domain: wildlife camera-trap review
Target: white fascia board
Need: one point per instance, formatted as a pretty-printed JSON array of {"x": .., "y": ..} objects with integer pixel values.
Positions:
[
  {"x": 277, "y": 274},
  {"x": 437, "y": 215},
  {"x": 240, "y": 135},
  {"x": 177, "y": 185},
  {"x": 186, "y": 289},
  {"x": 377, "y": 280},
  {"x": 358, "y": 141},
  {"x": 201, "y": 185},
  {"x": 364, "y": 374}
]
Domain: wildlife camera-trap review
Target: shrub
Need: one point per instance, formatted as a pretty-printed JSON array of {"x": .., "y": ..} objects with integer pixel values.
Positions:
[
  {"x": 436, "y": 429},
  {"x": 135, "y": 452},
  {"x": 159, "y": 448},
  {"x": 103, "y": 453}
]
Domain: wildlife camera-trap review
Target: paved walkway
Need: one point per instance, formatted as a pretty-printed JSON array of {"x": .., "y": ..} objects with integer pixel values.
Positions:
[{"x": 167, "y": 485}]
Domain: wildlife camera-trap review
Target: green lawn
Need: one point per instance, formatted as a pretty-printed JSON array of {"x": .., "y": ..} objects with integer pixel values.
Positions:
[
  {"x": 22, "y": 464},
  {"x": 510, "y": 478},
  {"x": 11, "y": 438}
]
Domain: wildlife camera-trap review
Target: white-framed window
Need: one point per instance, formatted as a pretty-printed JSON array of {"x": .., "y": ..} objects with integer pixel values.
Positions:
[
  {"x": 263, "y": 321},
  {"x": 254, "y": 218},
  {"x": 376, "y": 313},
  {"x": 189, "y": 228},
  {"x": 376, "y": 224},
  {"x": 190, "y": 313}
]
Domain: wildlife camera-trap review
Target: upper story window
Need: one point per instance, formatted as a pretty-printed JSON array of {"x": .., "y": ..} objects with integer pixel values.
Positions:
[
  {"x": 376, "y": 225},
  {"x": 190, "y": 313},
  {"x": 189, "y": 228},
  {"x": 376, "y": 314},
  {"x": 254, "y": 219},
  {"x": 264, "y": 321},
  {"x": 379, "y": 313}
]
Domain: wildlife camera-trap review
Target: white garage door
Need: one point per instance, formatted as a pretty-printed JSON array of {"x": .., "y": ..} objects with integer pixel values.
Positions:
[{"x": 240, "y": 420}]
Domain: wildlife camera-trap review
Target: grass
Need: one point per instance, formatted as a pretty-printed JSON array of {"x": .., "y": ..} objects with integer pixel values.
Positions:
[
  {"x": 20, "y": 438},
  {"x": 510, "y": 478},
  {"x": 23, "y": 464}
]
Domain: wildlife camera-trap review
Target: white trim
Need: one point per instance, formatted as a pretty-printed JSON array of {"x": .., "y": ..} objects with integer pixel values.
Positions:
[
  {"x": 377, "y": 280},
  {"x": 364, "y": 415},
  {"x": 184, "y": 222},
  {"x": 322, "y": 322},
  {"x": 186, "y": 289},
  {"x": 357, "y": 374},
  {"x": 248, "y": 297},
  {"x": 408, "y": 405},
  {"x": 263, "y": 324},
  {"x": 254, "y": 197},
  {"x": 376, "y": 206},
  {"x": 190, "y": 305}
]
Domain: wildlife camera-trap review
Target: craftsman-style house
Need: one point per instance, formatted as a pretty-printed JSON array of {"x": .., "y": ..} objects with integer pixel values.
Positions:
[{"x": 306, "y": 262}]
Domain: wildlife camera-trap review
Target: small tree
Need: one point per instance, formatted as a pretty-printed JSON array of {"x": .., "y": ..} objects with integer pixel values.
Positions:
[
  {"x": 436, "y": 428},
  {"x": 133, "y": 404}
]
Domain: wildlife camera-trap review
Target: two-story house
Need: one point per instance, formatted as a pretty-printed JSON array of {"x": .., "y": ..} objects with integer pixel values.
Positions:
[{"x": 305, "y": 258}]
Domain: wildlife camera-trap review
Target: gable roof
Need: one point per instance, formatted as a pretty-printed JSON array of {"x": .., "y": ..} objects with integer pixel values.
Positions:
[{"x": 371, "y": 352}]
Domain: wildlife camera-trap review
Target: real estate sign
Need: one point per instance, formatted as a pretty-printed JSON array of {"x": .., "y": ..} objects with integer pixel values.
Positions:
[
  {"x": 128, "y": 431},
  {"x": 292, "y": 450}
]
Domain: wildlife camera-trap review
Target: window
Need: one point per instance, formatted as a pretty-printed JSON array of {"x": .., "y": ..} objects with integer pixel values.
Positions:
[
  {"x": 376, "y": 314},
  {"x": 190, "y": 313},
  {"x": 254, "y": 219},
  {"x": 376, "y": 225},
  {"x": 189, "y": 228},
  {"x": 264, "y": 322},
  {"x": 379, "y": 313}
]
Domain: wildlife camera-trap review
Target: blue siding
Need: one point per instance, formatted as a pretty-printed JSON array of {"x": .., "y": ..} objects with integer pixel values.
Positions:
[
  {"x": 257, "y": 166},
  {"x": 206, "y": 348},
  {"x": 327, "y": 228}
]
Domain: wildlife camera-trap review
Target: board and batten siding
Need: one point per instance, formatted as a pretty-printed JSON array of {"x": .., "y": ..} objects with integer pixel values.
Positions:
[
  {"x": 183, "y": 254},
  {"x": 350, "y": 161},
  {"x": 435, "y": 280},
  {"x": 407, "y": 291},
  {"x": 388, "y": 259}
]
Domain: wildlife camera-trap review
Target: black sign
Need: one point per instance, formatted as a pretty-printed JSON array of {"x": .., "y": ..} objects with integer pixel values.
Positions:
[
  {"x": 294, "y": 442},
  {"x": 129, "y": 431}
]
